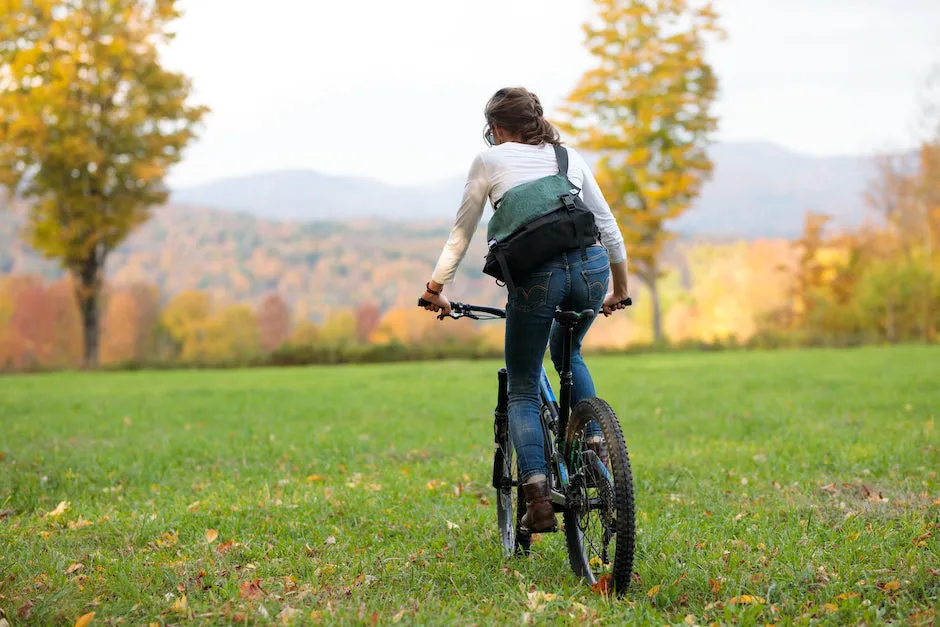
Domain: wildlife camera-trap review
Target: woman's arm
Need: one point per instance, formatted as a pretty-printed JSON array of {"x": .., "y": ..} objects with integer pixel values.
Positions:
[
  {"x": 475, "y": 192},
  {"x": 465, "y": 223}
]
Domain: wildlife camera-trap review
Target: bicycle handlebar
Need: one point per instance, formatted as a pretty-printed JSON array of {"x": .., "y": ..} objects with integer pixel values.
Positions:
[{"x": 465, "y": 309}]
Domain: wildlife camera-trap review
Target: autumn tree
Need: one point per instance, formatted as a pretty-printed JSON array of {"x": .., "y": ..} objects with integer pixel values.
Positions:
[
  {"x": 368, "y": 317},
  {"x": 184, "y": 320},
  {"x": 645, "y": 112},
  {"x": 129, "y": 324},
  {"x": 274, "y": 324},
  {"x": 339, "y": 328},
  {"x": 89, "y": 125}
]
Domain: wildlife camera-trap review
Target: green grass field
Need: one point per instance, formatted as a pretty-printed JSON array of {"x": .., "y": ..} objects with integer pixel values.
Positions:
[{"x": 780, "y": 487}]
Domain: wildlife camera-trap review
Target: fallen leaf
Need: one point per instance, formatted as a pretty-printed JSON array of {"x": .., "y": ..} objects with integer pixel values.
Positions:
[
  {"x": 250, "y": 589},
  {"x": 330, "y": 540},
  {"x": 6, "y": 512},
  {"x": 74, "y": 567},
  {"x": 224, "y": 547},
  {"x": 891, "y": 586},
  {"x": 312, "y": 478},
  {"x": 85, "y": 619},
  {"x": 451, "y": 525},
  {"x": 653, "y": 591},
  {"x": 25, "y": 610},
  {"x": 211, "y": 535},
  {"x": 127, "y": 421},
  {"x": 59, "y": 510},
  {"x": 689, "y": 619},
  {"x": 602, "y": 586},
  {"x": 287, "y": 614},
  {"x": 537, "y": 599},
  {"x": 715, "y": 584},
  {"x": 180, "y": 605},
  {"x": 831, "y": 607},
  {"x": 80, "y": 523},
  {"x": 746, "y": 599}
]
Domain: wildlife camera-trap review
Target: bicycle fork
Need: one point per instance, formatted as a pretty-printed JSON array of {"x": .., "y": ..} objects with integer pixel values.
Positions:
[{"x": 501, "y": 428}]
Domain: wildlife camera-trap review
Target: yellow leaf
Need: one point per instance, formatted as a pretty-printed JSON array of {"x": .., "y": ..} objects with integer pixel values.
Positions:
[
  {"x": 80, "y": 523},
  {"x": 892, "y": 585},
  {"x": 314, "y": 478},
  {"x": 653, "y": 591},
  {"x": 211, "y": 535},
  {"x": 746, "y": 599},
  {"x": 85, "y": 620},
  {"x": 180, "y": 605},
  {"x": 831, "y": 607},
  {"x": 60, "y": 509},
  {"x": 74, "y": 567}
]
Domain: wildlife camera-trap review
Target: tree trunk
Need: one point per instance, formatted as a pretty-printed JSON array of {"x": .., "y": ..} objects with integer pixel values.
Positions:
[
  {"x": 87, "y": 291},
  {"x": 657, "y": 314},
  {"x": 889, "y": 320},
  {"x": 655, "y": 306}
]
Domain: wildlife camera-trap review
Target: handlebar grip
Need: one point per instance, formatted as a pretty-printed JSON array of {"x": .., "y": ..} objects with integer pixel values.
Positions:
[
  {"x": 423, "y": 303},
  {"x": 627, "y": 301}
]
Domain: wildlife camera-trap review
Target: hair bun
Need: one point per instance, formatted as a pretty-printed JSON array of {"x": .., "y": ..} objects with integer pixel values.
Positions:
[{"x": 536, "y": 104}]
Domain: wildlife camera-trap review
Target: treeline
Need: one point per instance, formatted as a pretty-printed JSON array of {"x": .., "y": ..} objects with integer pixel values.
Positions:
[
  {"x": 40, "y": 329},
  {"x": 877, "y": 283}
]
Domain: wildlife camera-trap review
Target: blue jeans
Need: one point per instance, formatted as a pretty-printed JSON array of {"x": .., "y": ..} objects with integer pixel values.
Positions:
[{"x": 573, "y": 284}]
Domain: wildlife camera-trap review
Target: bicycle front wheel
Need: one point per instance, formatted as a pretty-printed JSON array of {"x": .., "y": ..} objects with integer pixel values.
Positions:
[
  {"x": 599, "y": 521},
  {"x": 510, "y": 502}
]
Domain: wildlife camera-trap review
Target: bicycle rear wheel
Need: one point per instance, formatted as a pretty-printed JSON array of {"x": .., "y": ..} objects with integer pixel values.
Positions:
[{"x": 600, "y": 528}]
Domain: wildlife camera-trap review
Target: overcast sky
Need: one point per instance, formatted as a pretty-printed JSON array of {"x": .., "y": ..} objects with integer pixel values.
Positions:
[{"x": 395, "y": 90}]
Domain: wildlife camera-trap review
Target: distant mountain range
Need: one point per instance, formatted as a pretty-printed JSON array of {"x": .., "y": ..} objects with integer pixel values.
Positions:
[{"x": 757, "y": 190}]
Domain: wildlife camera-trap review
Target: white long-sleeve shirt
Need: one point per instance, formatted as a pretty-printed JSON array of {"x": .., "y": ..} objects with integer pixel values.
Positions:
[{"x": 497, "y": 169}]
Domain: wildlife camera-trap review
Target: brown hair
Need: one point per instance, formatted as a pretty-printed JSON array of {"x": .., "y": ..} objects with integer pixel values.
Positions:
[{"x": 519, "y": 111}]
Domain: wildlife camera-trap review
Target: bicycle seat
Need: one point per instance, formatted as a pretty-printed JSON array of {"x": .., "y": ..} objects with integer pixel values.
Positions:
[{"x": 571, "y": 318}]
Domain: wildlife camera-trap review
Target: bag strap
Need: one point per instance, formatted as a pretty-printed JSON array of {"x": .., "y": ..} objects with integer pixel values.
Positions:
[
  {"x": 570, "y": 207},
  {"x": 561, "y": 155},
  {"x": 507, "y": 276}
]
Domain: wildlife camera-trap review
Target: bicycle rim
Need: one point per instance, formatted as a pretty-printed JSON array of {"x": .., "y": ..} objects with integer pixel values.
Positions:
[{"x": 600, "y": 525}]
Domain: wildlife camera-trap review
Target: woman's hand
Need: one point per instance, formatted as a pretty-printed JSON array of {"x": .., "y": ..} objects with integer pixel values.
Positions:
[
  {"x": 619, "y": 293},
  {"x": 612, "y": 303},
  {"x": 437, "y": 302}
]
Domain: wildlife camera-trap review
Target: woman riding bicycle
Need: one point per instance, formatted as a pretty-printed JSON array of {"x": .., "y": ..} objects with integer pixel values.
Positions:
[{"x": 522, "y": 150}]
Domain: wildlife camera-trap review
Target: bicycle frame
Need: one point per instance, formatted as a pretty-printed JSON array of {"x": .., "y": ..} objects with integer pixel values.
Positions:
[{"x": 555, "y": 424}]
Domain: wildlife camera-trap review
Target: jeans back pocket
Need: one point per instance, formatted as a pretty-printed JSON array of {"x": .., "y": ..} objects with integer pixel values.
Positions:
[
  {"x": 532, "y": 292},
  {"x": 596, "y": 280}
]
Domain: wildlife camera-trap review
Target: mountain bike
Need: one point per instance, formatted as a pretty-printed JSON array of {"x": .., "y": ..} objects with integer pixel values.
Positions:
[{"x": 594, "y": 498}]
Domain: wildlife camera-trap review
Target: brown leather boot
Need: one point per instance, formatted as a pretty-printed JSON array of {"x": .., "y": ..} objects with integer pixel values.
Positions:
[{"x": 539, "y": 514}]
